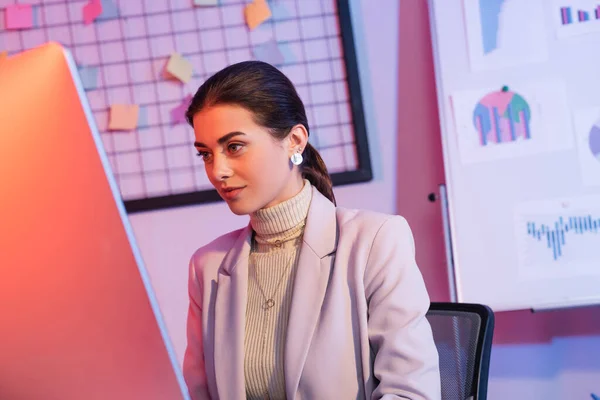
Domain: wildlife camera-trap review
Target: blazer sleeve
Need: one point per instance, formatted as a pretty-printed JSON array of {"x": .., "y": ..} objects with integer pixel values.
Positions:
[
  {"x": 193, "y": 362},
  {"x": 406, "y": 362}
]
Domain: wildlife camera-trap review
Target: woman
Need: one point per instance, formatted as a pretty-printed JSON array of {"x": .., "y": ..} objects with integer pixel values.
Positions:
[{"x": 309, "y": 301}]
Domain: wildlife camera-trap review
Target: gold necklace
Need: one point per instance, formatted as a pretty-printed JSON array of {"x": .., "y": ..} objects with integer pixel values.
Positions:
[{"x": 269, "y": 302}]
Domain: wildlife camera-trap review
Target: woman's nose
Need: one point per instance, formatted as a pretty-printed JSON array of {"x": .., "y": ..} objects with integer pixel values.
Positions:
[{"x": 221, "y": 168}]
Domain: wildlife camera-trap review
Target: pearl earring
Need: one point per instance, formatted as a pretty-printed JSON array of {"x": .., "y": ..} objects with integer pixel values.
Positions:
[{"x": 297, "y": 157}]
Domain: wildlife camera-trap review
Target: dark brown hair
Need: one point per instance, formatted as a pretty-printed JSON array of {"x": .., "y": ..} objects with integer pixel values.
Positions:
[{"x": 272, "y": 99}]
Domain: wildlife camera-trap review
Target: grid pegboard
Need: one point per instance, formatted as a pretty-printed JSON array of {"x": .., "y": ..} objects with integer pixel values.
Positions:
[{"x": 128, "y": 47}]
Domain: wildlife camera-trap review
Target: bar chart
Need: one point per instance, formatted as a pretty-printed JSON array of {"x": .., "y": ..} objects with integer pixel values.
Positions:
[
  {"x": 559, "y": 238},
  {"x": 566, "y": 15},
  {"x": 555, "y": 237},
  {"x": 576, "y": 17}
]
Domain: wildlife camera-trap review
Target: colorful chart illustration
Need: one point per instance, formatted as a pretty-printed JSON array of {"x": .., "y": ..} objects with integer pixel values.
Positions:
[
  {"x": 502, "y": 117},
  {"x": 566, "y": 15},
  {"x": 576, "y": 17},
  {"x": 554, "y": 236},
  {"x": 512, "y": 120},
  {"x": 595, "y": 141},
  {"x": 505, "y": 33},
  {"x": 490, "y": 23},
  {"x": 558, "y": 238},
  {"x": 587, "y": 127}
]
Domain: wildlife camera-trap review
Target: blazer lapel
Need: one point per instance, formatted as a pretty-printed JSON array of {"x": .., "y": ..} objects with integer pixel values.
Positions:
[
  {"x": 312, "y": 275},
  {"x": 230, "y": 319}
]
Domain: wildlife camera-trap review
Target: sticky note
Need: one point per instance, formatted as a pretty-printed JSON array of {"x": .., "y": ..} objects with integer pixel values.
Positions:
[
  {"x": 91, "y": 11},
  {"x": 281, "y": 10},
  {"x": 18, "y": 16},
  {"x": 256, "y": 13},
  {"x": 89, "y": 77},
  {"x": 287, "y": 52},
  {"x": 142, "y": 121},
  {"x": 123, "y": 117},
  {"x": 35, "y": 19},
  {"x": 110, "y": 10},
  {"x": 178, "y": 113},
  {"x": 206, "y": 2},
  {"x": 179, "y": 68},
  {"x": 269, "y": 52}
]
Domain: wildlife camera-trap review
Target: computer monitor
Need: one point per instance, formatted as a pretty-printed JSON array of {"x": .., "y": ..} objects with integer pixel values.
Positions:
[{"x": 78, "y": 316}]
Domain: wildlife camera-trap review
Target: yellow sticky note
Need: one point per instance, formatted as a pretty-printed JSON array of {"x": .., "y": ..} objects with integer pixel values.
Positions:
[
  {"x": 179, "y": 68},
  {"x": 123, "y": 117},
  {"x": 256, "y": 13}
]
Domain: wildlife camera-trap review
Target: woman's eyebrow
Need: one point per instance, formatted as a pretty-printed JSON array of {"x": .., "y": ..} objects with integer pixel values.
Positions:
[{"x": 222, "y": 139}]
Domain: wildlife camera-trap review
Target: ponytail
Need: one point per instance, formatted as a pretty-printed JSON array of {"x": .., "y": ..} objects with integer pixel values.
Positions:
[{"x": 314, "y": 169}]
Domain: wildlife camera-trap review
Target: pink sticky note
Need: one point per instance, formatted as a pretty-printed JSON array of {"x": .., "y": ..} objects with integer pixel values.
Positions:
[
  {"x": 18, "y": 16},
  {"x": 91, "y": 11},
  {"x": 178, "y": 113}
]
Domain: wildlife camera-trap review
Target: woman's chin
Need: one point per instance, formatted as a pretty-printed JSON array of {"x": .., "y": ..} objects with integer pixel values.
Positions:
[{"x": 240, "y": 209}]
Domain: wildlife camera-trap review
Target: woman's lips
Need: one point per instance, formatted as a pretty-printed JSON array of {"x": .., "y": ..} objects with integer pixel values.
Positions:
[{"x": 231, "y": 193}]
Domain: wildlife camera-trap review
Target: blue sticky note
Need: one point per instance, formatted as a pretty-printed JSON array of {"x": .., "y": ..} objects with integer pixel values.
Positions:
[
  {"x": 206, "y": 2},
  {"x": 89, "y": 77},
  {"x": 287, "y": 53},
  {"x": 110, "y": 10},
  {"x": 279, "y": 10},
  {"x": 269, "y": 52},
  {"x": 142, "y": 117},
  {"x": 35, "y": 11}
]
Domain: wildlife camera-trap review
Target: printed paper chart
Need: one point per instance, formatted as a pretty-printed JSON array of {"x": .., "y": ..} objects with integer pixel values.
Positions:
[
  {"x": 576, "y": 17},
  {"x": 508, "y": 122},
  {"x": 122, "y": 56},
  {"x": 558, "y": 238},
  {"x": 587, "y": 128},
  {"x": 504, "y": 33}
]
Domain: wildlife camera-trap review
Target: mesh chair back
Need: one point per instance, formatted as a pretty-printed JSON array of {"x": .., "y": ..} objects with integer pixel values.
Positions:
[{"x": 463, "y": 337}]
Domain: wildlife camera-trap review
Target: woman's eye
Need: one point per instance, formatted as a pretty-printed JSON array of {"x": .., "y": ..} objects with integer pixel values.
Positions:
[
  {"x": 203, "y": 154},
  {"x": 234, "y": 147}
]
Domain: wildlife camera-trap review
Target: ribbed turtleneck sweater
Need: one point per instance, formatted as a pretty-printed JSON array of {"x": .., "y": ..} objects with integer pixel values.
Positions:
[{"x": 273, "y": 259}]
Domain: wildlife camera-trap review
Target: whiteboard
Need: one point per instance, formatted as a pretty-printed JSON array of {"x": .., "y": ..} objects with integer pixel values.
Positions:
[{"x": 519, "y": 101}]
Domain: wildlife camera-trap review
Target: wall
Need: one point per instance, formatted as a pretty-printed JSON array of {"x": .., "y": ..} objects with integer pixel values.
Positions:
[{"x": 419, "y": 151}]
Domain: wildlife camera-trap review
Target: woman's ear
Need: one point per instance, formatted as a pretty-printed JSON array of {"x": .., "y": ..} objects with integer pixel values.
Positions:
[{"x": 298, "y": 137}]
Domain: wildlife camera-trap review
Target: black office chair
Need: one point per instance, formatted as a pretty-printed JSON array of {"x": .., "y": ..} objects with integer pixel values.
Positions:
[{"x": 463, "y": 336}]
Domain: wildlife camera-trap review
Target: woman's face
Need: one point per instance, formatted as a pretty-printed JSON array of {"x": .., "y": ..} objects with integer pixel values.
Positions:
[{"x": 249, "y": 168}]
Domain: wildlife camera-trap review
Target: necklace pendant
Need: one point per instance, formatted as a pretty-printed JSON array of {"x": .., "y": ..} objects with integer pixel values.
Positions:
[{"x": 268, "y": 304}]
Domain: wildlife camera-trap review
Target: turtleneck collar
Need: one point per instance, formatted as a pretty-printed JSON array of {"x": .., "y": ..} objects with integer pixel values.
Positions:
[{"x": 284, "y": 221}]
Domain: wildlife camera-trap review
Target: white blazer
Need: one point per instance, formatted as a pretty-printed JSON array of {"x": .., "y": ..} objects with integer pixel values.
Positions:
[{"x": 357, "y": 326}]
